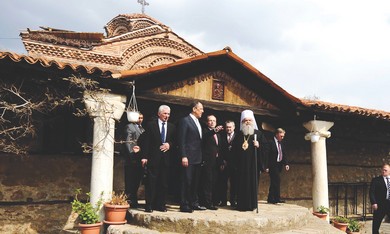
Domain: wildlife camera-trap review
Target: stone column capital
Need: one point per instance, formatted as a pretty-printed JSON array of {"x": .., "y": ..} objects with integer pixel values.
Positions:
[
  {"x": 318, "y": 129},
  {"x": 105, "y": 105}
]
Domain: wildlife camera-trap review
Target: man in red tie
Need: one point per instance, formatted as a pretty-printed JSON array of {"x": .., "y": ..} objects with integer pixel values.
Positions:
[
  {"x": 211, "y": 163},
  {"x": 276, "y": 161},
  {"x": 228, "y": 170}
]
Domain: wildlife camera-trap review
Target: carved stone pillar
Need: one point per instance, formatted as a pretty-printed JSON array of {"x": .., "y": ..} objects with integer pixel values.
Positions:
[
  {"x": 104, "y": 108},
  {"x": 317, "y": 135}
]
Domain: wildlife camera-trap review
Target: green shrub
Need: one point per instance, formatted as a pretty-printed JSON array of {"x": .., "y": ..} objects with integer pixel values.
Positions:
[
  {"x": 87, "y": 213},
  {"x": 354, "y": 225},
  {"x": 341, "y": 219},
  {"x": 322, "y": 210}
]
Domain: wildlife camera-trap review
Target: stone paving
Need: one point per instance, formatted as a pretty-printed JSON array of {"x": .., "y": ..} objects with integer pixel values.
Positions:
[{"x": 280, "y": 218}]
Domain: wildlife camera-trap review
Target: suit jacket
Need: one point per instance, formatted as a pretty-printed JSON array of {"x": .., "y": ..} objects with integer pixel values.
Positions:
[
  {"x": 189, "y": 141},
  {"x": 227, "y": 150},
  {"x": 378, "y": 191},
  {"x": 273, "y": 155},
  {"x": 132, "y": 135},
  {"x": 153, "y": 142},
  {"x": 210, "y": 148}
]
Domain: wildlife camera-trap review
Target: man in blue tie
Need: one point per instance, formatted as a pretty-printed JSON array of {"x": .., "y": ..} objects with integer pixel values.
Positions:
[
  {"x": 159, "y": 141},
  {"x": 379, "y": 197}
]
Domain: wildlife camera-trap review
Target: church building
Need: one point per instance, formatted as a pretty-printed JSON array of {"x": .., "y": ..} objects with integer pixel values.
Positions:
[{"x": 137, "y": 51}]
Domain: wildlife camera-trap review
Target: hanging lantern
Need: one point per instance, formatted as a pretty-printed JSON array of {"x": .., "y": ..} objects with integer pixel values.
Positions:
[{"x": 132, "y": 108}]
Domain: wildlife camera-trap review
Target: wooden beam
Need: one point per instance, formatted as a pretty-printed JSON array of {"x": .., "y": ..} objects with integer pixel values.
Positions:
[{"x": 208, "y": 104}]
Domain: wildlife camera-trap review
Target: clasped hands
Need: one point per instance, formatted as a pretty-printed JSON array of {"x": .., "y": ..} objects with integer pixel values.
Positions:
[{"x": 164, "y": 147}]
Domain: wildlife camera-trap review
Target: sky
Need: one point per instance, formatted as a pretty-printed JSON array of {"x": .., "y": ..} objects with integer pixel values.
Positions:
[{"x": 334, "y": 50}]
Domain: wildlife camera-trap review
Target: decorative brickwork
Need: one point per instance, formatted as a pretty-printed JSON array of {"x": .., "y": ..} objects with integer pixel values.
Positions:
[{"x": 133, "y": 41}]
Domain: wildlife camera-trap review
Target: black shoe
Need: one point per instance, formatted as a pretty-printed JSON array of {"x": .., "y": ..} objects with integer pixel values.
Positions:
[
  {"x": 133, "y": 204},
  {"x": 211, "y": 208},
  {"x": 148, "y": 210},
  {"x": 222, "y": 204},
  {"x": 281, "y": 201},
  {"x": 186, "y": 210},
  {"x": 271, "y": 202},
  {"x": 162, "y": 209},
  {"x": 233, "y": 204},
  {"x": 199, "y": 208}
]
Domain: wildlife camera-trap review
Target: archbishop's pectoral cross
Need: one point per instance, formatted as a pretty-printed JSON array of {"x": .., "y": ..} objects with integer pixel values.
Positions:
[{"x": 143, "y": 3}]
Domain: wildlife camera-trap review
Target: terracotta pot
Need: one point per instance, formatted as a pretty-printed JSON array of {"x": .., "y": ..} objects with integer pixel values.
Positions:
[
  {"x": 115, "y": 213},
  {"x": 341, "y": 226},
  {"x": 320, "y": 215},
  {"x": 90, "y": 228}
]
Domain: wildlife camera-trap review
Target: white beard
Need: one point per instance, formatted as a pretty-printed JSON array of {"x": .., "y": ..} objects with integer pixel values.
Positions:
[{"x": 248, "y": 130}]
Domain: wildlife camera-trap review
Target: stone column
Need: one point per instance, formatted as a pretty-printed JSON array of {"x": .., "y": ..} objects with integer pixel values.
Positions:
[
  {"x": 104, "y": 108},
  {"x": 317, "y": 135}
]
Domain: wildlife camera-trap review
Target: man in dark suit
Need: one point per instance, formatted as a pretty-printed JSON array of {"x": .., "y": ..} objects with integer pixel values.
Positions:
[
  {"x": 277, "y": 159},
  {"x": 159, "y": 141},
  {"x": 211, "y": 162},
  {"x": 379, "y": 197},
  {"x": 228, "y": 170},
  {"x": 190, "y": 151},
  {"x": 133, "y": 168}
]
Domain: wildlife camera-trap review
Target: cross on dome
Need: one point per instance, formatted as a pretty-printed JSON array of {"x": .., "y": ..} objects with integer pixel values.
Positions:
[{"x": 143, "y": 3}]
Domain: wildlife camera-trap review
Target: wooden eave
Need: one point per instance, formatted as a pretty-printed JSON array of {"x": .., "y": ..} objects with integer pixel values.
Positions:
[
  {"x": 146, "y": 95},
  {"x": 223, "y": 60}
]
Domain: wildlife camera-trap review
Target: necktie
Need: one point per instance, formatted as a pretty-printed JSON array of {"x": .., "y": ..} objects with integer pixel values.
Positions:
[
  {"x": 141, "y": 128},
  {"x": 199, "y": 127},
  {"x": 163, "y": 132},
  {"x": 388, "y": 187},
  {"x": 280, "y": 151},
  {"x": 229, "y": 138}
]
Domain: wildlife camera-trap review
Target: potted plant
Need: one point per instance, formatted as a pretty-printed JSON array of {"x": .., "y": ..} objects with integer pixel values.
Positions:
[
  {"x": 116, "y": 208},
  {"x": 88, "y": 218},
  {"x": 341, "y": 223},
  {"x": 354, "y": 226},
  {"x": 322, "y": 212}
]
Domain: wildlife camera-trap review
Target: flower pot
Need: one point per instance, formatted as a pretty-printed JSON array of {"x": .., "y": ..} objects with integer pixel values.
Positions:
[
  {"x": 132, "y": 116},
  {"x": 340, "y": 226},
  {"x": 115, "y": 214},
  {"x": 93, "y": 228},
  {"x": 320, "y": 215}
]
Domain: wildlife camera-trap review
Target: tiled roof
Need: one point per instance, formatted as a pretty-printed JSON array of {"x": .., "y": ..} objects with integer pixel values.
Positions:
[
  {"x": 18, "y": 58},
  {"x": 339, "y": 108},
  {"x": 313, "y": 104}
]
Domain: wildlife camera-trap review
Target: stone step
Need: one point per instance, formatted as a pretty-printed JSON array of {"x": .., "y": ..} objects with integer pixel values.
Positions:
[{"x": 280, "y": 218}]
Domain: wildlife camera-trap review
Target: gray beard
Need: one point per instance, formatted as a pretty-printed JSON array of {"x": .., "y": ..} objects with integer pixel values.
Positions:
[{"x": 248, "y": 130}]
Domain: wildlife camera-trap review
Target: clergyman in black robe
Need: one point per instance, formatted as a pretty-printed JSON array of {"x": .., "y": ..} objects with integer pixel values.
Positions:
[{"x": 250, "y": 146}]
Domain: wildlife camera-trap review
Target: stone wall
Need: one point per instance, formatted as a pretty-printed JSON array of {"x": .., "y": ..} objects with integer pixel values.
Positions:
[{"x": 36, "y": 190}]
